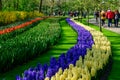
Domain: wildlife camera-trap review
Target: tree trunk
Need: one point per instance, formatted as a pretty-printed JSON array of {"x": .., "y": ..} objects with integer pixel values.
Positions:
[
  {"x": 0, "y": 5},
  {"x": 17, "y": 4},
  {"x": 59, "y": 5},
  {"x": 100, "y": 21},
  {"x": 78, "y": 14},
  {"x": 9, "y": 6},
  {"x": 14, "y": 5},
  {"x": 52, "y": 7},
  {"x": 40, "y": 6},
  {"x": 88, "y": 16},
  {"x": 81, "y": 14}
]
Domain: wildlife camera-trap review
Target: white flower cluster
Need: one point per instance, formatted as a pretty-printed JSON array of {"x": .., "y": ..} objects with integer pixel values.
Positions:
[{"x": 94, "y": 60}]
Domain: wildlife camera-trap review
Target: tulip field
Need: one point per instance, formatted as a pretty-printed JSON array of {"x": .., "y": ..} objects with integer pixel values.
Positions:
[{"x": 55, "y": 48}]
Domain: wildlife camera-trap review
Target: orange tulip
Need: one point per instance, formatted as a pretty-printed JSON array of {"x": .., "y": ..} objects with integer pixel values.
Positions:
[{"x": 19, "y": 26}]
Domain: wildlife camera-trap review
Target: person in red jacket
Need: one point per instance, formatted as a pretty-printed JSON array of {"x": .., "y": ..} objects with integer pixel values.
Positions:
[{"x": 110, "y": 16}]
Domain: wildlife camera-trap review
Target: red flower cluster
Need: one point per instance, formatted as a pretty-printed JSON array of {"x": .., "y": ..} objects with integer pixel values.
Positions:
[{"x": 19, "y": 26}]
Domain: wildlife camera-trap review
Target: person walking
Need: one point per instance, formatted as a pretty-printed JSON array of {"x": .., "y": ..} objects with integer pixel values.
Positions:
[
  {"x": 116, "y": 18},
  {"x": 96, "y": 14},
  {"x": 103, "y": 17},
  {"x": 109, "y": 16}
]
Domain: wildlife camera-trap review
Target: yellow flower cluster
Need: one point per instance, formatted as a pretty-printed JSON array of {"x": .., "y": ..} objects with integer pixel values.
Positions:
[
  {"x": 94, "y": 60},
  {"x": 22, "y": 15},
  {"x": 7, "y": 17},
  {"x": 36, "y": 13}
]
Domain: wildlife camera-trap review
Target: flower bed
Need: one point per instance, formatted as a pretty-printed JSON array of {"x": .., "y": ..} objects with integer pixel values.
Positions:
[
  {"x": 17, "y": 31},
  {"x": 40, "y": 72},
  {"x": 7, "y": 17},
  {"x": 13, "y": 24},
  {"x": 19, "y": 26},
  {"x": 88, "y": 67},
  {"x": 28, "y": 45}
]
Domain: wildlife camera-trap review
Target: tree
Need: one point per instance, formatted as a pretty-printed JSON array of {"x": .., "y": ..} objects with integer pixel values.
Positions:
[
  {"x": 88, "y": 6},
  {"x": 52, "y": 2},
  {"x": 17, "y": 4},
  {"x": 0, "y": 5},
  {"x": 40, "y": 6}
]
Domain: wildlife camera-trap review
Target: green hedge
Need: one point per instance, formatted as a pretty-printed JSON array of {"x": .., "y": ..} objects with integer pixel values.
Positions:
[{"x": 28, "y": 45}]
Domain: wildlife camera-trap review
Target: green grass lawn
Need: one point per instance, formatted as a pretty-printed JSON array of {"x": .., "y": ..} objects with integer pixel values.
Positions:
[
  {"x": 114, "y": 38},
  {"x": 67, "y": 40}
]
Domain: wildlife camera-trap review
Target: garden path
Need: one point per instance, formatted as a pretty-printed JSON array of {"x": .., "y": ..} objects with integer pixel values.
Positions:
[{"x": 114, "y": 29}]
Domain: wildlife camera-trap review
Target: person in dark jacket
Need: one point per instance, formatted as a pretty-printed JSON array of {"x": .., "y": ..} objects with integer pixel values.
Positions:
[
  {"x": 116, "y": 17},
  {"x": 96, "y": 14}
]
